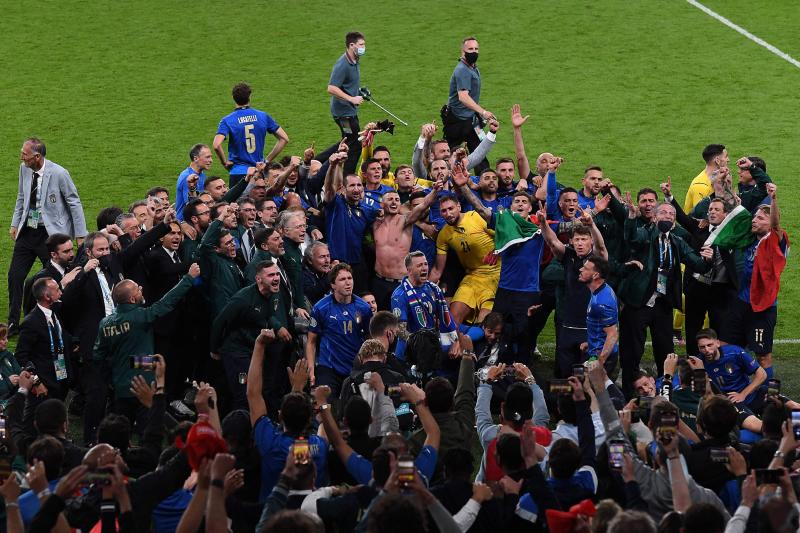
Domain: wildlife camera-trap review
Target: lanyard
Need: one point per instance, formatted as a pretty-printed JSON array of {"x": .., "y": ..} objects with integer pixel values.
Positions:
[
  {"x": 52, "y": 344},
  {"x": 665, "y": 252}
]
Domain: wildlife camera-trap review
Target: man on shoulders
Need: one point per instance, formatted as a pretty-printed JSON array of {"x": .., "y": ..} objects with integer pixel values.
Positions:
[
  {"x": 716, "y": 157},
  {"x": 246, "y": 130},
  {"x": 47, "y": 203}
]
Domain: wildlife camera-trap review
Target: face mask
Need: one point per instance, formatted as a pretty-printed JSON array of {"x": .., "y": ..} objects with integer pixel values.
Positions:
[
  {"x": 664, "y": 226},
  {"x": 471, "y": 57},
  {"x": 361, "y": 51},
  {"x": 105, "y": 262}
]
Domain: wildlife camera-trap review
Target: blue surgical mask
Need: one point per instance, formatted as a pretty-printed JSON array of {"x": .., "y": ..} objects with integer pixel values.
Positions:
[{"x": 361, "y": 51}]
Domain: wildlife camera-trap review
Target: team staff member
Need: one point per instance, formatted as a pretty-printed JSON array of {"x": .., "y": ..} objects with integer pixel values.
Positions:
[
  {"x": 217, "y": 257},
  {"x": 128, "y": 332},
  {"x": 47, "y": 203},
  {"x": 246, "y": 130},
  {"x": 343, "y": 87},
  {"x": 193, "y": 178},
  {"x": 340, "y": 323},
  {"x": 235, "y": 330},
  {"x": 461, "y": 115}
]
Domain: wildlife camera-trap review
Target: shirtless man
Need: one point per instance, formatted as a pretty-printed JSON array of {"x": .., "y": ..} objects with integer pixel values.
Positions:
[{"x": 393, "y": 233}]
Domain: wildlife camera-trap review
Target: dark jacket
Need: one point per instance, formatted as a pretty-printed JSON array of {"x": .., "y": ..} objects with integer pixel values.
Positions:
[
  {"x": 34, "y": 347},
  {"x": 222, "y": 277},
  {"x": 639, "y": 285},
  {"x": 128, "y": 331},
  {"x": 237, "y": 326},
  {"x": 28, "y": 301},
  {"x": 8, "y": 367},
  {"x": 315, "y": 285},
  {"x": 292, "y": 262},
  {"x": 458, "y": 426},
  {"x": 163, "y": 274}
]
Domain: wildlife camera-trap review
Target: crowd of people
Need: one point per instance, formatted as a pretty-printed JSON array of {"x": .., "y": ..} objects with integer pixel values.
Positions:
[{"x": 330, "y": 340}]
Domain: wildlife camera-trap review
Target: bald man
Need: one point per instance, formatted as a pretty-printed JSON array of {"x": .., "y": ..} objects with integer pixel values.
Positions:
[{"x": 128, "y": 332}]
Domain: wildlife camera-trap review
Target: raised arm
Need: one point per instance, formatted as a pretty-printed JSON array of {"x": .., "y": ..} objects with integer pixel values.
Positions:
[
  {"x": 276, "y": 188},
  {"x": 419, "y": 157},
  {"x": 416, "y": 396},
  {"x": 334, "y": 176},
  {"x": 557, "y": 247},
  {"x": 599, "y": 243},
  {"x": 420, "y": 209},
  {"x": 774, "y": 211},
  {"x": 460, "y": 179},
  {"x": 255, "y": 395},
  {"x": 517, "y": 121},
  {"x": 485, "y": 146}
]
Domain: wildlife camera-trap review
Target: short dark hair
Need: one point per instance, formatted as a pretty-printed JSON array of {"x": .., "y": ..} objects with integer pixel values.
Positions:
[
  {"x": 711, "y": 151},
  {"x": 381, "y": 148},
  {"x": 726, "y": 207},
  {"x": 566, "y": 190},
  {"x": 646, "y": 190},
  {"x": 772, "y": 417},
  {"x": 509, "y": 453},
  {"x": 334, "y": 273},
  {"x": 212, "y": 179},
  {"x": 457, "y": 463},
  {"x": 503, "y": 160},
  {"x": 601, "y": 266},
  {"x": 762, "y": 452},
  {"x": 241, "y": 93},
  {"x": 107, "y": 216},
  {"x": 439, "y": 395},
  {"x": 706, "y": 333},
  {"x": 262, "y": 235},
  {"x": 518, "y": 405},
  {"x": 55, "y": 240},
  {"x": 154, "y": 191},
  {"x": 195, "y": 151},
  {"x": 358, "y": 414},
  {"x": 447, "y": 197},
  {"x": 758, "y": 162},
  {"x": 365, "y": 165},
  {"x": 50, "y": 451},
  {"x": 380, "y": 322},
  {"x": 416, "y": 194},
  {"x": 591, "y": 167},
  {"x": 190, "y": 209},
  {"x": 396, "y": 513},
  {"x": 703, "y": 518},
  {"x": 263, "y": 265},
  {"x": 564, "y": 458},
  {"x": 581, "y": 230},
  {"x": 294, "y": 521},
  {"x": 718, "y": 417},
  {"x": 40, "y": 288},
  {"x": 492, "y": 320},
  {"x": 296, "y": 412},
  {"x": 115, "y": 430},
  {"x": 523, "y": 194},
  {"x": 50, "y": 416},
  {"x": 352, "y": 37},
  {"x": 632, "y": 522}
]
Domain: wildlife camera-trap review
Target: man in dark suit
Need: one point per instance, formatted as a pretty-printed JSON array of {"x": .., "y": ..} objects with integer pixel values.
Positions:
[
  {"x": 60, "y": 249},
  {"x": 43, "y": 341},
  {"x": 165, "y": 269},
  {"x": 47, "y": 203}
]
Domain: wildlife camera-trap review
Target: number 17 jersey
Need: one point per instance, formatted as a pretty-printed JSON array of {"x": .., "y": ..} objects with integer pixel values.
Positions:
[{"x": 246, "y": 130}]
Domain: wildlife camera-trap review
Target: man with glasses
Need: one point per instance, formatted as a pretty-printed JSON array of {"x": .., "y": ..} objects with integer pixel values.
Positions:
[
  {"x": 244, "y": 231},
  {"x": 292, "y": 225},
  {"x": 267, "y": 213},
  {"x": 47, "y": 203}
]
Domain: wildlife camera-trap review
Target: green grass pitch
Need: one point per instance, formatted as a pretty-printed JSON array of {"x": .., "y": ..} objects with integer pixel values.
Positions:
[{"x": 119, "y": 91}]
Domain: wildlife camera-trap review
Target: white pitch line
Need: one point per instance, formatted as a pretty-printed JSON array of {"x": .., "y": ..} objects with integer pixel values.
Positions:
[{"x": 759, "y": 41}]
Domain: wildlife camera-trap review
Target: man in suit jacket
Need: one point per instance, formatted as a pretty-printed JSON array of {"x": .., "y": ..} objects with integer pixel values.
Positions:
[
  {"x": 62, "y": 254},
  {"x": 47, "y": 203},
  {"x": 43, "y": 341},
  {"x": 165, "y": 269}
]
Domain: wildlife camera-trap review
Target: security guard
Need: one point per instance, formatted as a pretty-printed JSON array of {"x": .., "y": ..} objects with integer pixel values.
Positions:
[{"x": 127, "y": 334}]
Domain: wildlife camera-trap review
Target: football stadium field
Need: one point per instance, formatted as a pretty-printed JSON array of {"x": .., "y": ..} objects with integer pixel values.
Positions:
[{"x": 120, "y": 91}]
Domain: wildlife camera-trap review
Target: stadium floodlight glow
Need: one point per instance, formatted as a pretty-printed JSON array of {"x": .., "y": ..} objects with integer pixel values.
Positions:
[{"x": 367, "y": 95}]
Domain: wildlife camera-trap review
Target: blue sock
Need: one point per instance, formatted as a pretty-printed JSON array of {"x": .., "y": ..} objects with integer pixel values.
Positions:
[
  {"x": 770, "y": 372},
  {"x": 475, "y": 333}
]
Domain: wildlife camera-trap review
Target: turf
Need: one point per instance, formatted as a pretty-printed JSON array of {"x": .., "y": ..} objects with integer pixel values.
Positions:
[{"x": 120, "y": 91}]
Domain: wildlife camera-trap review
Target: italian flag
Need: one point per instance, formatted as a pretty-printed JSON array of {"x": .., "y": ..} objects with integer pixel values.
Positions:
[
  {"x": 734, "y": 232},
  {"x": 511, "y": 228}
]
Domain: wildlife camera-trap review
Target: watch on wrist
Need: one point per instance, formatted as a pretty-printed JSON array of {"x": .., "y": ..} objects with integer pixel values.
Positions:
[
  {"x": 220, "y": 484},
  {"x": 324, "y": 407},
  {"x": 779, "y": 454}
]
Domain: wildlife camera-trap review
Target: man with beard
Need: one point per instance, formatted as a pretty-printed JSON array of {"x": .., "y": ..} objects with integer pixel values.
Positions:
[
  {"x": 651, "y": 293},
  {"x": 488, "y": 184},
  {"x": 222, "y": 277},
  {"x": 196, "y": 219},
  {"x": 601, "y": 314},
  {"x": 236, "y": 328},
  {"x": 339, "y": 323},
  {"x": 423, "y": 235},
  {"x": 126, "y": 336},
  {"x": 592, "y": 185},
  {"x": 393, "y": 233},
  {"x": 574, "y": 298},
  {"x": 472, "y": 240},
  {"x": 419, "y": 304},
  {"x": 244, "y": 230},
  {"x": 267, "y": 212},
  {"x": 316, "y": 265},
  {"x": 59, "y": 247},
  {"x": 347, "y": 218},
  {"x": 427, "y": 151}
]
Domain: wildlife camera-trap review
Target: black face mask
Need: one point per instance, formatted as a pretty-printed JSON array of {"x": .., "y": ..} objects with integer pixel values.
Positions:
[
  {"x": 471, "y": 57},
  {"x": 664, "y": 226},
  {"x": 105, "y": 262}
]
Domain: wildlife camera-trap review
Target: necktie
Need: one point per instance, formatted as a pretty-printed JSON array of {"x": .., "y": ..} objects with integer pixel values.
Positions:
[
  {"x": 174, "y": 258},
  {"x": 55, "y": 328},
  {"x": 34, "y": 190},
  {"x": 251, "y": 244}
]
